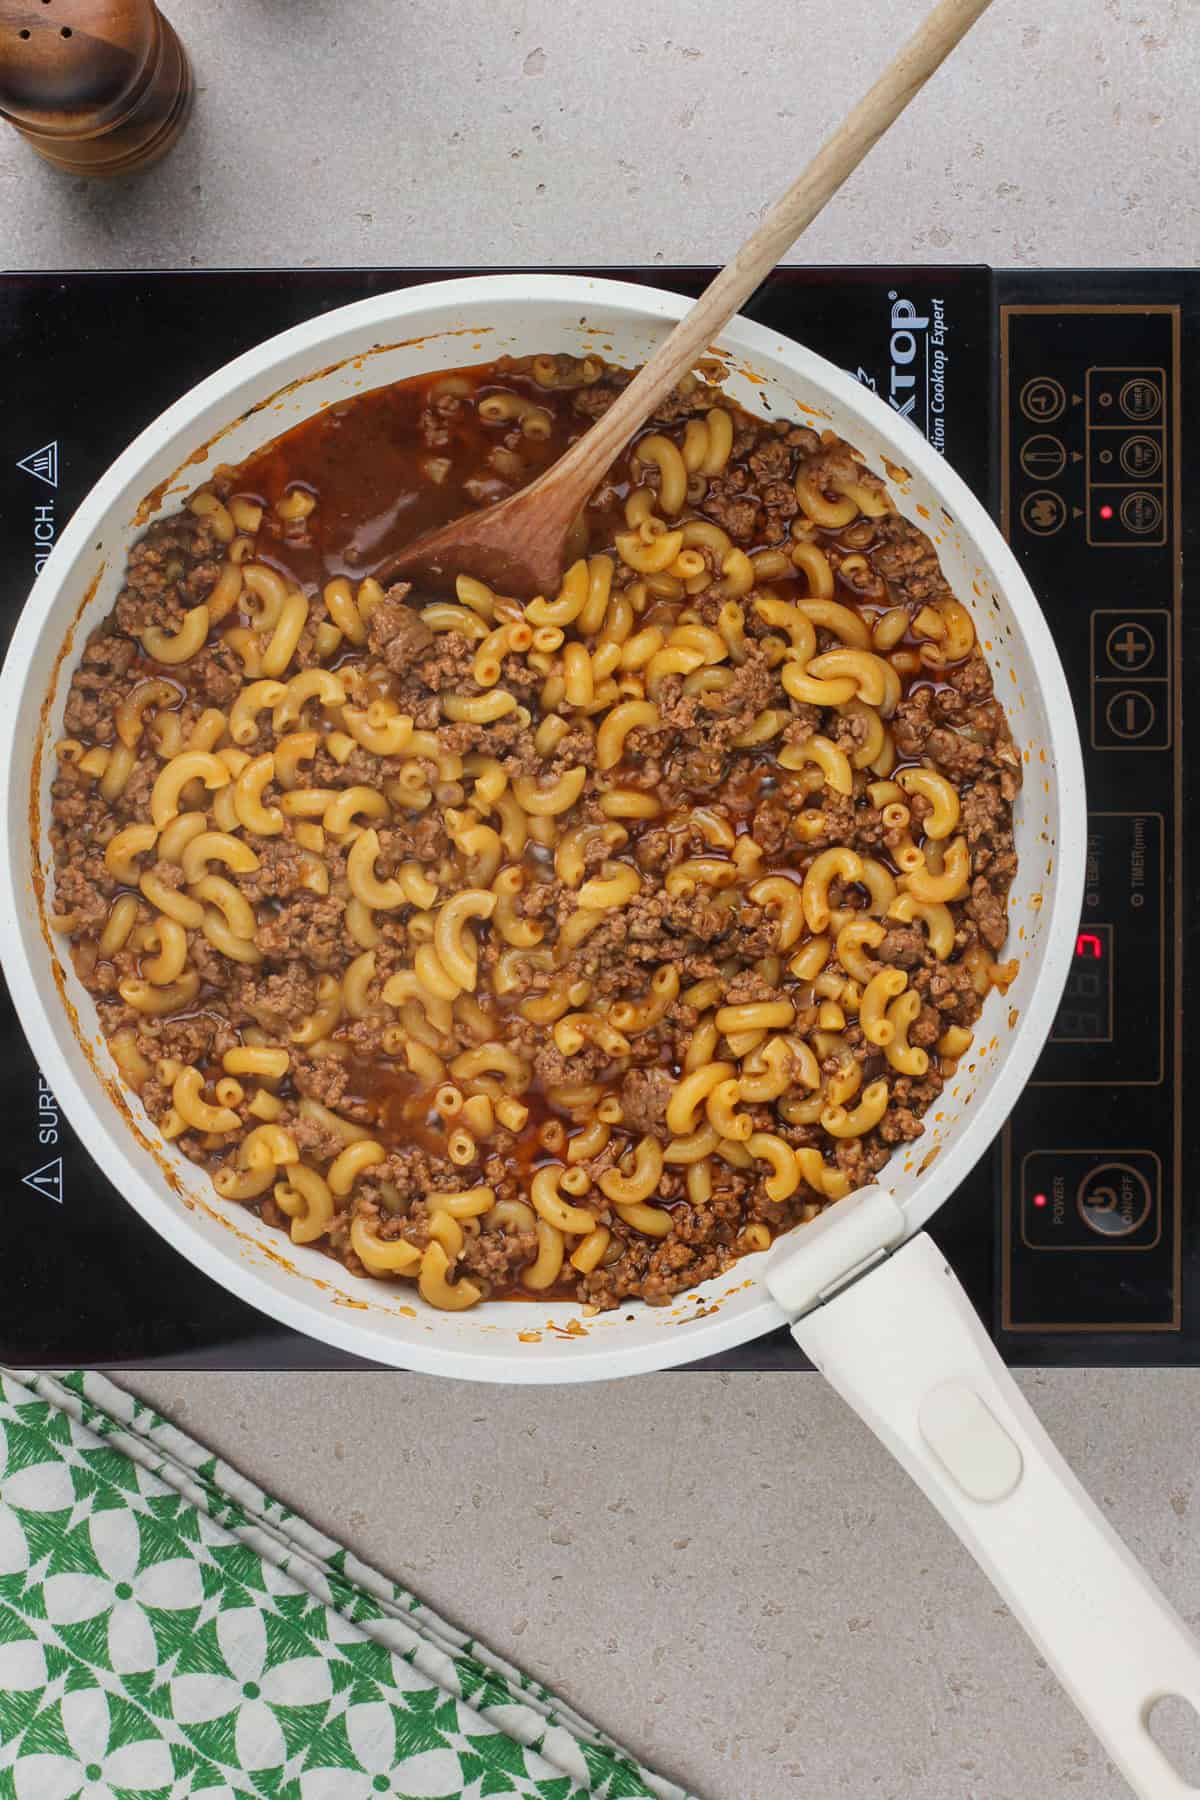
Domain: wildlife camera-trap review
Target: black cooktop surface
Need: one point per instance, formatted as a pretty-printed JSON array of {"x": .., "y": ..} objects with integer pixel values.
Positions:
[{"x": 1060, "y": 397}]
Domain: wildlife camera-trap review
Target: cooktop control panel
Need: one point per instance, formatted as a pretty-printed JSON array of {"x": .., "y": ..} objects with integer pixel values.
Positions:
[{"x": 1090, "y": 481}]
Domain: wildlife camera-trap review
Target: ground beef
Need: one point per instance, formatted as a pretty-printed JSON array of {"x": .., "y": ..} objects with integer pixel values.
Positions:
[
  {"x": 98, "y": 684},
  {"x": 771, "y": 824},
  {"x": 985, "y": 810},
  {"x": 959, "y": 757},
  {"x": 172, "y": 568},
  {"x": 552, "y": 1069},
  {"x": 595, "y": 400},
  {"x": 729, "y": 505},
  {"x": 850, "y": 732},
  {"x": 903, "y": 946},
  {"x": 969, "y": 681},
  {"x": 216, "y": 676},
  {"x": 771, "y": 461},
  {"x": 833, "y": 468},
  {"x": 693, "y": 744},
  {"x": 644, "y": 1096},
  {"x": 687, "y": 401},
  {"x": 951, "y": 989},
  {"x": 653, "y": 851},
  {"x": 396, "y": 631},
  {"x": 926, "y": 1028},
  {"x": 683, "y": 944},
  {"x": 747, "y": 986},
  {"x": 316, "y": 1141},
  {"x": 499, "y": 1256},
  {"x": 907, "y": 560},
  {"x": 281, "y": 871},
  {"x": 899, "y": 1125},
  {"x": 912, "y": 724},
  {"x": 280, "y": 1001},
  {"x": 191, "y": 1040},
  {"x": 986, "y": 908},
  {"x": 654, "y": 1275},
  {"x": 321, "y": 1078},
  {"x": 447, "y": 664},
  {"x": 84, "y": 890},
  {"x": 311, "y": 928}
]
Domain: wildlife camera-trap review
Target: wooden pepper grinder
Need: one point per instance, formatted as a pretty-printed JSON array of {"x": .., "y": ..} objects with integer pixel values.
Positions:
[{"x": 99, "y": 87}]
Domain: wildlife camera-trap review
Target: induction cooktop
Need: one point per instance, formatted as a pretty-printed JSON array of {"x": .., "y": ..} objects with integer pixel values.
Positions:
[{"x": 1060, "y": 397}]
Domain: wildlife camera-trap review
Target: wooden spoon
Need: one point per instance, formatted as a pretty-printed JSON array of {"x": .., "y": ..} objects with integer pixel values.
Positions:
[{"x": 519, "y": 544}]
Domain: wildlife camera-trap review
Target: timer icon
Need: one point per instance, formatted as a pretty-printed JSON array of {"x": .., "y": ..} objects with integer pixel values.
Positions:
[{"x": 1043, "y": 399}]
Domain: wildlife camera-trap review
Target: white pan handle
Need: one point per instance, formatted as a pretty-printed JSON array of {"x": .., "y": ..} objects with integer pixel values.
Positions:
[{"x": 905, "y": 1348}]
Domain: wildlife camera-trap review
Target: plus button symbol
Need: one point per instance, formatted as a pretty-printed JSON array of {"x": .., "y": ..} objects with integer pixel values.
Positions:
[{"x": 1129, "y": 646}]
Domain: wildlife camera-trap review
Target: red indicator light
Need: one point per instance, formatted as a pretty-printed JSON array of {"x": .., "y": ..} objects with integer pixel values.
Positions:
[
  {"x": 1106, "y": 512},
  {"x": 1039, "y": 1199},
  {"x": 1087, "y": 944}
]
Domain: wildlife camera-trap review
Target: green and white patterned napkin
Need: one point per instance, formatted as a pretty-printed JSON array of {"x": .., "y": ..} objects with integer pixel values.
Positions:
[{"x": 169, "y": 1630}]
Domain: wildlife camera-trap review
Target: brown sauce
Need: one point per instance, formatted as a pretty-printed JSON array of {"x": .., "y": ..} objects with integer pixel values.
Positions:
[{"x": 367, "y": 461}]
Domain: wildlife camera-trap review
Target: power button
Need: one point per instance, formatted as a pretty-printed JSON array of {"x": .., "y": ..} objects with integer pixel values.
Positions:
[
  {"x": 1114, "y": 1199},
  {"x": 1082, "y": 1201}
]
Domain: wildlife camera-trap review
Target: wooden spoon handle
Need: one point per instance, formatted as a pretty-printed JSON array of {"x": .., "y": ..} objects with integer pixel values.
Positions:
[{"x": 791, "y": 214}]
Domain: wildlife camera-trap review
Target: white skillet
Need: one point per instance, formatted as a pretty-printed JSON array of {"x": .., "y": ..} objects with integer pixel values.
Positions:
[{"x": 869, "y": 1297}]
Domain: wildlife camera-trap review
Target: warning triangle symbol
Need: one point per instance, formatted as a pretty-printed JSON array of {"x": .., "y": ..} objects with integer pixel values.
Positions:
[
  {"x": 43, "y": 463},
  {"x": 47, "y": 1180}
]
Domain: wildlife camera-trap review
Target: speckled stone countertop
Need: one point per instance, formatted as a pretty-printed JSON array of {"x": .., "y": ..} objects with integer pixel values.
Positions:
[
  {"x": 725, "y": 1571},
  {"x": 524, "y": 131}
]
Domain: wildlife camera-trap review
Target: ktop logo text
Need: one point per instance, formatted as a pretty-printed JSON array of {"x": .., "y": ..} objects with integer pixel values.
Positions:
[{"x": 908, "y": 351}]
